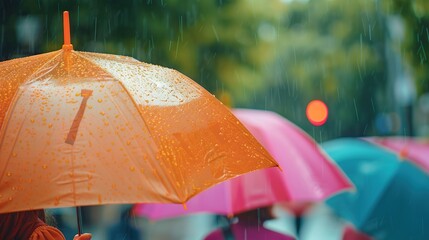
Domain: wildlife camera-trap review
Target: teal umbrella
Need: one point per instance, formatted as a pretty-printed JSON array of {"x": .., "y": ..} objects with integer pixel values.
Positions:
[{"x": 391, "y": 200}]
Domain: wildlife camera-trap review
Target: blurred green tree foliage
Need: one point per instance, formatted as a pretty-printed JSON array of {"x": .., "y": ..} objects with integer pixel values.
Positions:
[
  {"x": 276, "y": 55},
  {"x": 416, "y": 43},
  {"x": 331, "y": 50},
  {"x": 214, "y": 42}
]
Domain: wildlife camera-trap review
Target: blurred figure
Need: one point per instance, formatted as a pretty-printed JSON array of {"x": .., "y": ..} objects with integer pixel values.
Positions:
[
  {"x": 249, "y": 226},
  {"x": 320, "y": 222},
  {"x": 30, "y": 225},
  {"x": 288, "y": 217},
  {"x": 298, "y": 210},
  {"x": 65, "y": 220},
  {"x": 124, "y": 229}
]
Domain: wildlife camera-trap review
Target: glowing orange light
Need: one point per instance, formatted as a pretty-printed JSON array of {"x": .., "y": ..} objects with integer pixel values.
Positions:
[{"x": 317, "y": 112}]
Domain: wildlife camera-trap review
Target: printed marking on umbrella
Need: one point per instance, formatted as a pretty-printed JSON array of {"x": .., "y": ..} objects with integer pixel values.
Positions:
[{"x": 71, "y": 137}]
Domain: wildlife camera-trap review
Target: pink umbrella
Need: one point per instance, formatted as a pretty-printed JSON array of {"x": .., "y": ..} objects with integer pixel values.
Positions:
[
  {"x": 413, "y": 149},
  {"x": 309, "y": 174}
]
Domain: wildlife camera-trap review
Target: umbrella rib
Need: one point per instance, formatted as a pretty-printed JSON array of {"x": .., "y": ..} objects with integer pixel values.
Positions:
[{"x": 4, "y": 130}]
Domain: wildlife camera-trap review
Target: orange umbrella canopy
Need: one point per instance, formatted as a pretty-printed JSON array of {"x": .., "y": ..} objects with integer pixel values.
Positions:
[{"x": 79, "y": 128}]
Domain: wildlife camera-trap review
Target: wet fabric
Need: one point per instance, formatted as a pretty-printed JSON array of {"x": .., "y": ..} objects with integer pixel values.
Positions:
[
  {"x": 80, "y": 129},
  {"x": 308, "y": 175}
]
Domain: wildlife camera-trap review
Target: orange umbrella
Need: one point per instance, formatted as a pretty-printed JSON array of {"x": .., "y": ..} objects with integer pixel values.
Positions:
[{"x": 81, "y": 128}]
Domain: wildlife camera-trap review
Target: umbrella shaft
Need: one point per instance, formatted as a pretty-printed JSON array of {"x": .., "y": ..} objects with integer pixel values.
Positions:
[{"x": 79, "y": 226}]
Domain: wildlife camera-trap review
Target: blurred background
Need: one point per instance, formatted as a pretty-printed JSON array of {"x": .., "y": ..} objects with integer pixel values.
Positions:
[{"x": 366, "y": 59}]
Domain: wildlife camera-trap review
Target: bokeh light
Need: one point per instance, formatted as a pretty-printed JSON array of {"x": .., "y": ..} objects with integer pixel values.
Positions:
[{"x": 317, "y": 112}]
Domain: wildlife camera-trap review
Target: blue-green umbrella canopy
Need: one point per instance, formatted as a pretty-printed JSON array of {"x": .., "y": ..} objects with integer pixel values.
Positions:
[{"x": 391, "y": 200}]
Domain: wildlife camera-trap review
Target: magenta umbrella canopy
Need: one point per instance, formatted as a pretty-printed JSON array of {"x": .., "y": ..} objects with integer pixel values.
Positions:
[
  {"x": 308, "y": 175},
  {"x": 415, "y": 150}
]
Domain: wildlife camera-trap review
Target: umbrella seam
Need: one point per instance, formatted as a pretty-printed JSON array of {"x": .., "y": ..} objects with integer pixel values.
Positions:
[
  {"x": 26, "y": 81},
  {"x": 377, "y": 198},
  {"x": 23, "y": 83},
  {"x": 409, "y": 158},
  {"x": 180, "y": 197}
]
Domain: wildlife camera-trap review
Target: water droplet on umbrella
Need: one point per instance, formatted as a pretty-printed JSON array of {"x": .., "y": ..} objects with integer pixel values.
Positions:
[{"x": 57, "y": 201}]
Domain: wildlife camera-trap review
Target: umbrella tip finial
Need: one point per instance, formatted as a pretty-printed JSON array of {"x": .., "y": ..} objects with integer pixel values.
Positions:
[{"x": 66, "y": 28}]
